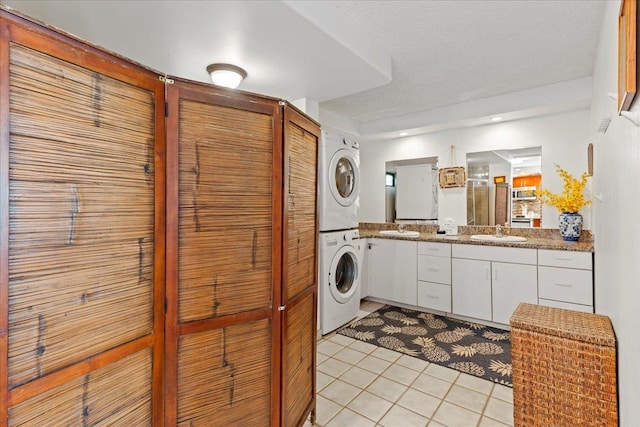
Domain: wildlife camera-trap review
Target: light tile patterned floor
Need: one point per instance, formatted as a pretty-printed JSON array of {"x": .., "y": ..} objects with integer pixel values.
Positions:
[{"x": 360, "y": 384}]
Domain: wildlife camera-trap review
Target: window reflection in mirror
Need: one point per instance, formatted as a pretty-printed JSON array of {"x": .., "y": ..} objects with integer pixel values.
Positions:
[{"x": 517, "y": 200}]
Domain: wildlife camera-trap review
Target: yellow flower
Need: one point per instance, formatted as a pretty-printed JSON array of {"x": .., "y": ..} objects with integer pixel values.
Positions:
[{"x": 572, "y": 198}]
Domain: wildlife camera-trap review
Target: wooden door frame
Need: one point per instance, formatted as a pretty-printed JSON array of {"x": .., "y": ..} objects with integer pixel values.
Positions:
[{"x": 495, "y": 202}]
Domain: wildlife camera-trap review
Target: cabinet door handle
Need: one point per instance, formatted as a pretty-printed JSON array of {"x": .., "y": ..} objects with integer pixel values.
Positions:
[
  {"x": 432, "y": 249},
  {"x": 433, "y": 296},
  {"x": 564, "y": 285},
  {"x": 372, "y": 245},
  {"x": 486, "y": 275},
  {"x": 495, "y": 275},
  {"x": 435, "y": 270},
  {"x": 562, "y": 258}
]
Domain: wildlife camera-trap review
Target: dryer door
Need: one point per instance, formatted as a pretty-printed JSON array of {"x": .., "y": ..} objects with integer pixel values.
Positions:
[
  {"x": 344, "y": 177},
  {"x": 343, "y": 274}
]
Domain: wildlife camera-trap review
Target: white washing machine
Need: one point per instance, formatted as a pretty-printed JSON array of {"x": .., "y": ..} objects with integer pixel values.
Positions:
[
  {"x": 339, "y": 181},
  {"x": 339, "y": 278}
]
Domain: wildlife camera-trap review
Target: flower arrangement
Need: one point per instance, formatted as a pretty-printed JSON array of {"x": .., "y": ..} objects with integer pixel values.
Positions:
[{"x": 572, "y": 198}]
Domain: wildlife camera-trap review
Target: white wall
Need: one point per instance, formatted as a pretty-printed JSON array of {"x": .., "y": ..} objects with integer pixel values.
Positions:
[
  {"x": 617, "y": 229},
  {"x": 564, "y": 138},
  {"x": 337, "y": 122},
  {"x": 308, "y": 106}
]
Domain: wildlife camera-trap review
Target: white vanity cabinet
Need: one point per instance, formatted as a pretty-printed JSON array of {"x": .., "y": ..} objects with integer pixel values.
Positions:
[
  {"x": 481, "y": 282},
  {"x": 511, "y": 284},
  {"x": 488, "y": 282},
  {"x": 392, "y": 270},
  {"x": 363, "y": 255},
  {"x": 471, "y": 287},
  {"x": 565, "y": 279},
  {"x": 434, "y": 276}
]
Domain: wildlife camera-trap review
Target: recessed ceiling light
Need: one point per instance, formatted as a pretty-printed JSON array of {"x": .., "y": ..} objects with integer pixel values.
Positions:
[
  {"x": 496, "y": 119},
  {"x": 404, "y": 133}
]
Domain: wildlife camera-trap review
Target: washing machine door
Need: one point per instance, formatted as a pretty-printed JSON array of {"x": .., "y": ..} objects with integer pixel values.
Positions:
[
  {"x": 344, "y": 177},
  {"x": 343, "y": 274}
]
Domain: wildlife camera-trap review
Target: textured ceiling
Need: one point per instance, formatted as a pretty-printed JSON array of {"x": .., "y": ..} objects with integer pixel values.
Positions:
[
  {"x": 284, "y": 54},
  {"x": 447, "y": 52},
  {"x": 378, "y": 63}
]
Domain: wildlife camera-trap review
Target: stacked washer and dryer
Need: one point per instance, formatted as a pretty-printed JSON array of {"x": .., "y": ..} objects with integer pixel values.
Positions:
[{"x": 339, "y": 242}]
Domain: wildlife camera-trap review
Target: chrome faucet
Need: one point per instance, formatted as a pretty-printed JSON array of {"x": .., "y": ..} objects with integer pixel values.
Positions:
[
  {"x": 400, "y": 228},
  {"x": 498, "y": 230}
]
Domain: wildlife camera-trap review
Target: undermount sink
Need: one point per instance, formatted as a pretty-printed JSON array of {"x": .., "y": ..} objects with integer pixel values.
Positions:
[
  {"x": 400, "y": 233},
  {"x": 493, "y": 238}
]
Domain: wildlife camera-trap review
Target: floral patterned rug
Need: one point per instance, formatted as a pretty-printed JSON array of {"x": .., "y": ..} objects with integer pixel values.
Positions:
[{"x": 467, "y": 347}]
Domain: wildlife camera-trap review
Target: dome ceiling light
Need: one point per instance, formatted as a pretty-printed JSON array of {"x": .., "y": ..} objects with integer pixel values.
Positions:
[{"x": 226, "y": 75}]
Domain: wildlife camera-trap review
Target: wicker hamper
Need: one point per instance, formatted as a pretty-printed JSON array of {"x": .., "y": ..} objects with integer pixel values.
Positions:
[{"x": 564, "y": 368}]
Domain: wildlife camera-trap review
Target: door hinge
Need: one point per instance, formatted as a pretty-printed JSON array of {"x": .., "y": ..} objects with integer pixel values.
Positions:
[
  {"x": 282, "y": 103},
  {"x": 282, "y": 307},
  {"x": 166, "y": 80},
  {"x": 166, "y": 109}
]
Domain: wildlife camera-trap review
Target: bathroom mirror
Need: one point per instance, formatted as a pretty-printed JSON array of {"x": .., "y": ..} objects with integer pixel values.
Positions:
[
  {"x": 418, "y": 190},
  {"x": 516, "y": 200}
]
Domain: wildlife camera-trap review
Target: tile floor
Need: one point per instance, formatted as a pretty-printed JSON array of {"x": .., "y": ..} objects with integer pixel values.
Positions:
[{"x": 361, "y": 385}]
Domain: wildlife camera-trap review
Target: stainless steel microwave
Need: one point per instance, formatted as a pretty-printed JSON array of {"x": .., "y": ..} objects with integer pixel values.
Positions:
[{"x": 525, "y": 193}]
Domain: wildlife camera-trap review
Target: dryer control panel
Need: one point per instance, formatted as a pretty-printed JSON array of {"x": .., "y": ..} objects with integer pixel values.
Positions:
[{"x": 351, "y": 235}]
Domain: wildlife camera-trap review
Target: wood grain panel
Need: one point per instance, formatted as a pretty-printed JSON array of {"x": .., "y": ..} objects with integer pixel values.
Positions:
[
  {"x": 301, "y": 208},
  {"x": 116, "y": 395},
  {"x": 225, "y": 212},
  {"x": 81, "y": 213},
  {"x": 224, "y": 376},
  {"x": 299, "y": 362}
]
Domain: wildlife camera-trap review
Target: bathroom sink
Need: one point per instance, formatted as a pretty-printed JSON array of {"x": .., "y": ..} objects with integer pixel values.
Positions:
[
  {"x": 492, "y": 238},
  {"x": 400, "y": 233}
]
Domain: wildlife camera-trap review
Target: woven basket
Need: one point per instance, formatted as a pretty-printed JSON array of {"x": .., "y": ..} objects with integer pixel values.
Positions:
[{"x": 564, "y": 368}]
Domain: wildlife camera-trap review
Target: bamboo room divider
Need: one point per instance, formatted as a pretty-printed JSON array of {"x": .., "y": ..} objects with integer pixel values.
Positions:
[
  {"x": 299, "y": 266},
  {"x": 224, "y": 210},
  {"x": 82, "y": 233},
  {"x": 157, "y": 244}
]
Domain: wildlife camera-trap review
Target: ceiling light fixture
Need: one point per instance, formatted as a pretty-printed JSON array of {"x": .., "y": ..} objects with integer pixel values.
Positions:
[
  {"x": 496, "y": 119},
  {"x": 404, "y": 133},
  {"x": 226, "y": 75}
]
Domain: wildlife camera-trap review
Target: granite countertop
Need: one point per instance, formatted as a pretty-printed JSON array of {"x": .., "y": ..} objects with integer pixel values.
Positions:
[{"x": 537, "y": 238}]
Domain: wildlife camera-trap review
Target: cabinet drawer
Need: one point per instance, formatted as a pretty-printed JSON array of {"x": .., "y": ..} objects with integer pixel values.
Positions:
[
  {"x": 566, "y": 285},
  {"x": 495, "y": 253},
  {"x": 566, "y": 305},
  {"x": 567, "y": 259},
  {"x": 434, "y": 249},
  {"x": 434, "y": 269},
  {"x": 434, "y": 296}
]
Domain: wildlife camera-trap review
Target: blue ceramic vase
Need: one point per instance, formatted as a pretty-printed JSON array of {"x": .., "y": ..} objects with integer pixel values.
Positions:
[{"x": 570, "y": 224}]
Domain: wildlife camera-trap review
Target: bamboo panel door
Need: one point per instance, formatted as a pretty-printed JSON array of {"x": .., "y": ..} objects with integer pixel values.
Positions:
[
  {"x": 224, "y": 209},
  {"x": 300, "y": 291},
  {"x": 81, "y": 233}
]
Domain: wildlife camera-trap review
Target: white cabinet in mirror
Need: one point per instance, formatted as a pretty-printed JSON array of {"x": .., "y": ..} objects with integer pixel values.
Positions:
[{"x": 411, "y": 190}]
